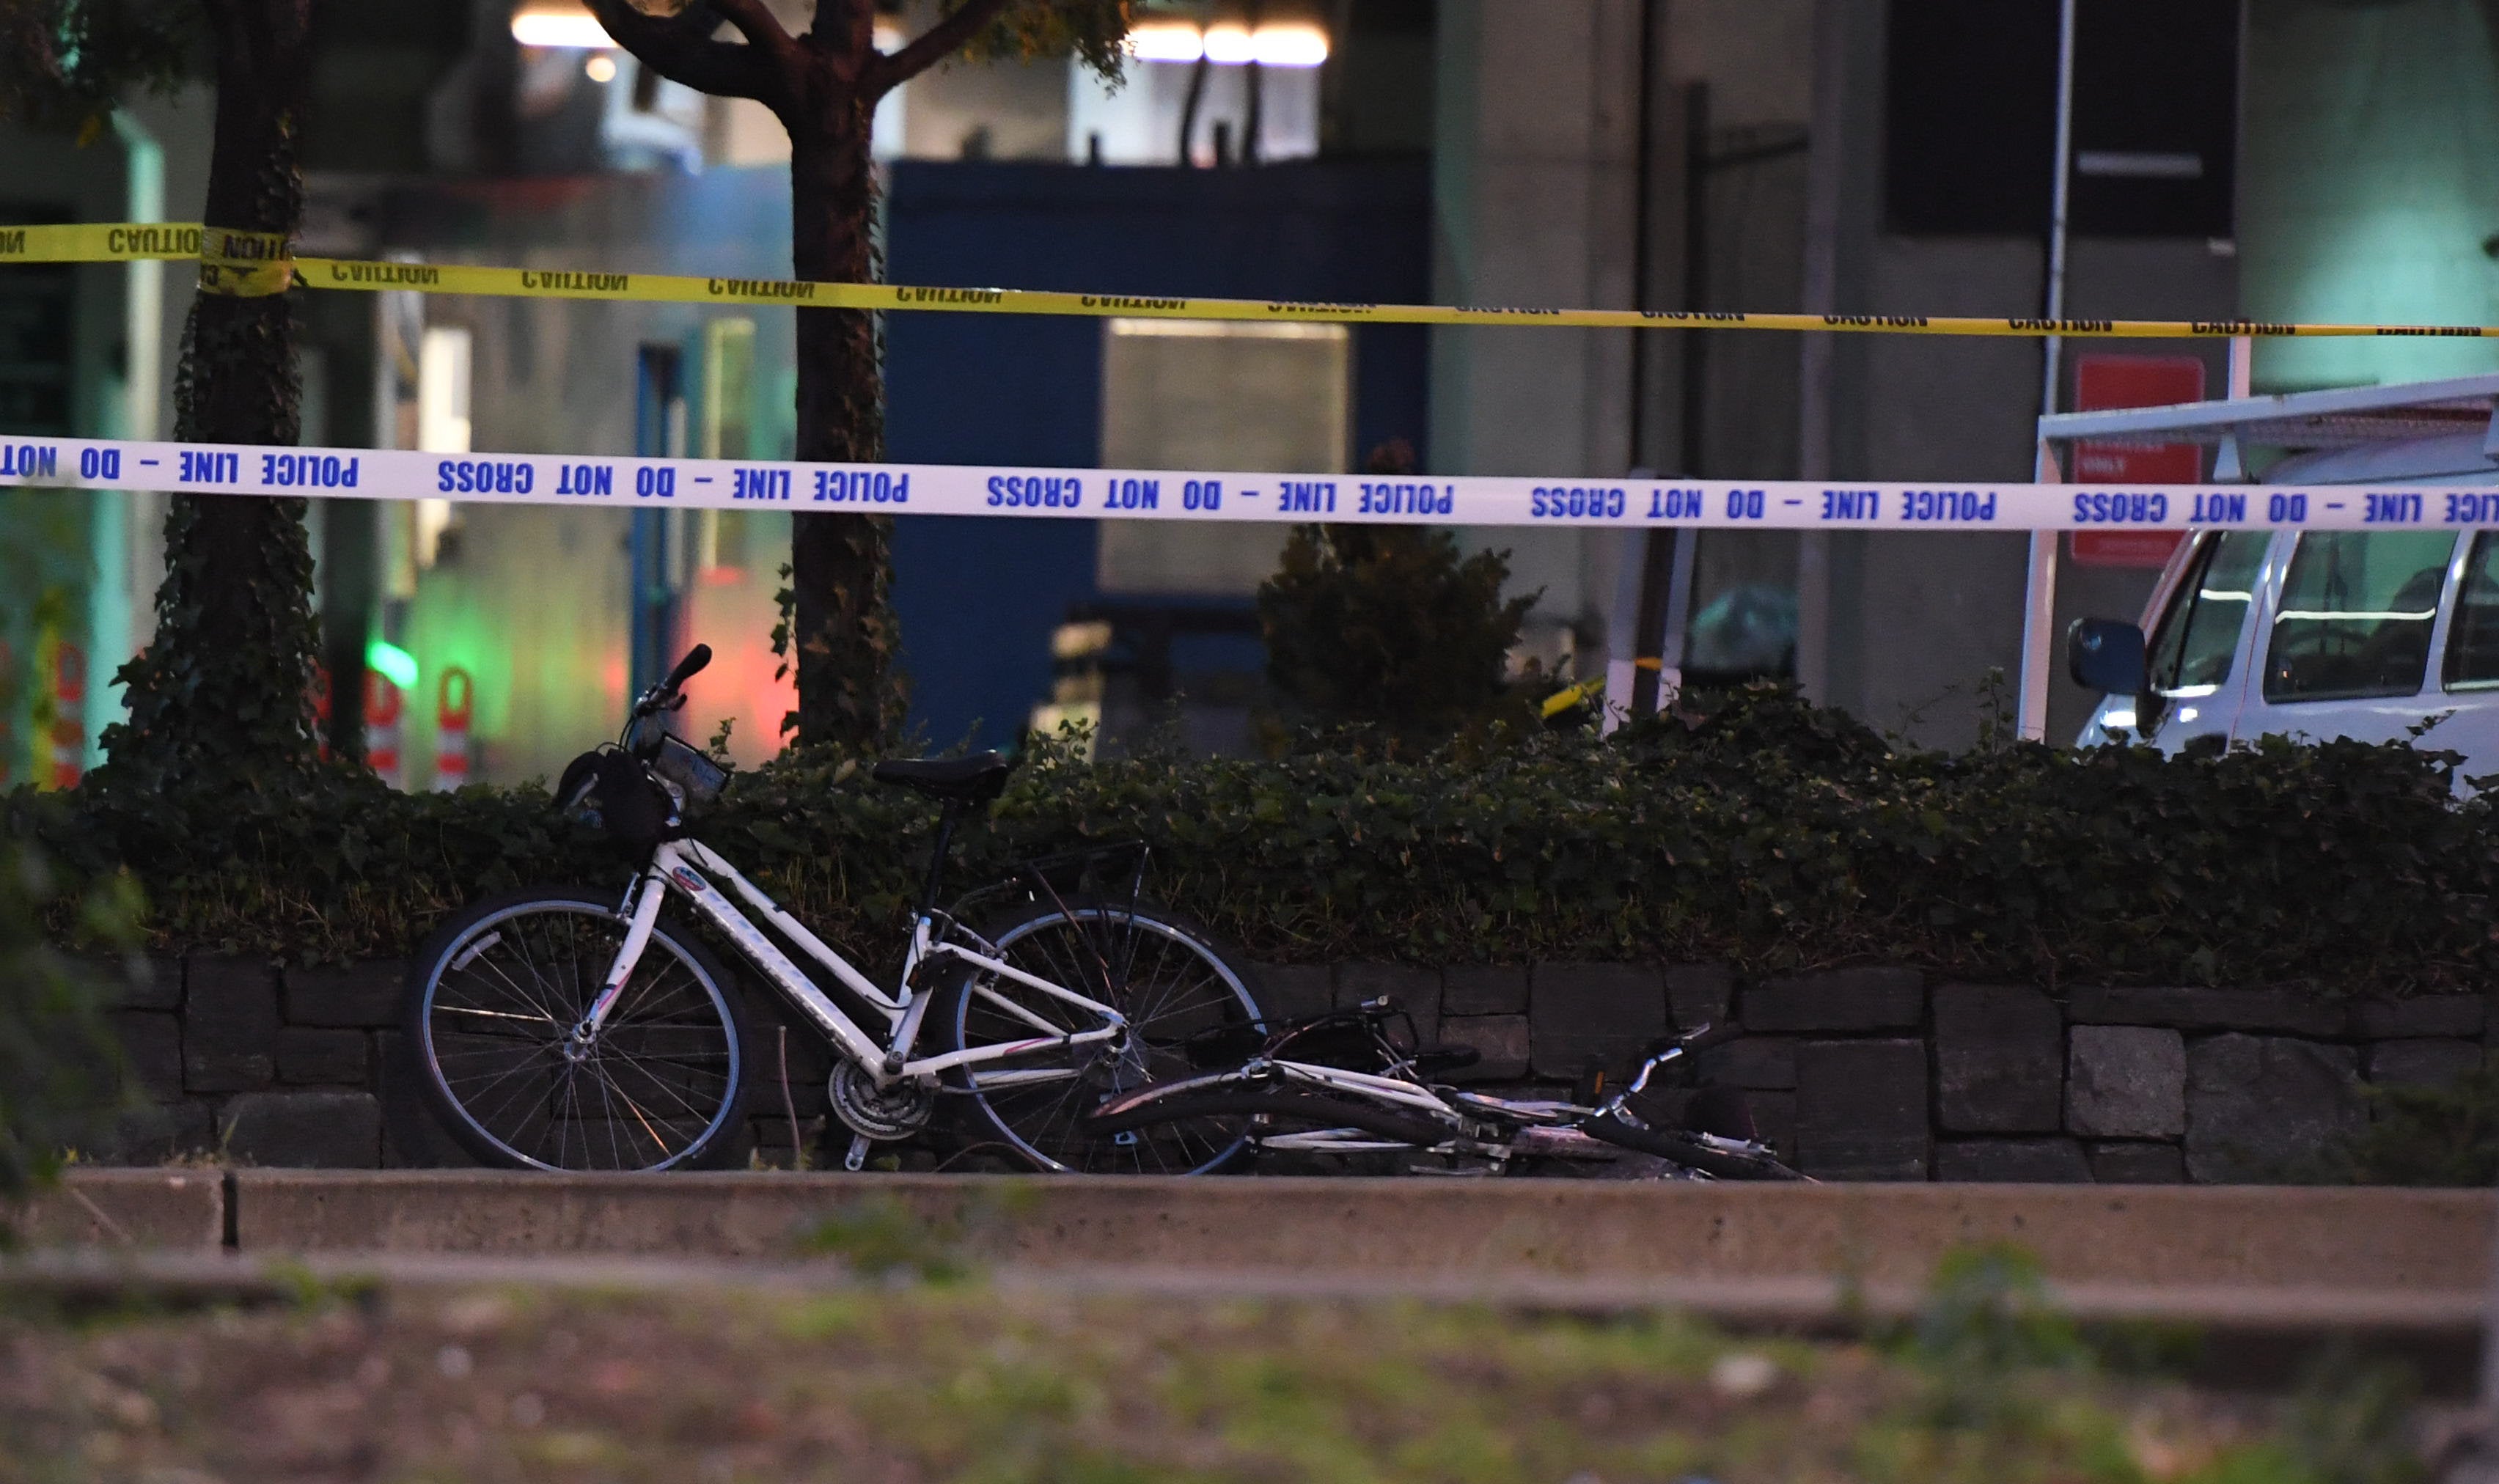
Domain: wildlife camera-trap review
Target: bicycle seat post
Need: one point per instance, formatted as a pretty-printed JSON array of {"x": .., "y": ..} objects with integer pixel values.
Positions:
[{"x": 934, "y": 888}]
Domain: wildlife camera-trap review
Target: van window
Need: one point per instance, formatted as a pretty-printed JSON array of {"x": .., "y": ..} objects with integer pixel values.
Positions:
[
  {"x": 2357, "y": 612},
  {"x": 2473, "y": 638},
  {"x": 2197, "y": 636}
]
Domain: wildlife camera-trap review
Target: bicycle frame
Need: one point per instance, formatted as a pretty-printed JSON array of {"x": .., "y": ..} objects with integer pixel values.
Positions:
[
  {"x": 1471, "y": 1122},
  {"x": 678, "y": 867}
]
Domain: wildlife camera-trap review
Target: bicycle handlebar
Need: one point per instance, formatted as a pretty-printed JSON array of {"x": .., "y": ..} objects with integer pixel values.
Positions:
[
  {"x": 687, "y": 668},
  {"x": 658, "y": 698}
]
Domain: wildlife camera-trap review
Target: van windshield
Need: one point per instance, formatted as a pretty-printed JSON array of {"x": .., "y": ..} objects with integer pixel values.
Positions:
[{"x": 2193, "y": 649}]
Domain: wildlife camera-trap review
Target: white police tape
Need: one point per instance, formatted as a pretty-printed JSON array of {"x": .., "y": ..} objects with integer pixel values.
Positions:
[{"x": 951, "y": 489}]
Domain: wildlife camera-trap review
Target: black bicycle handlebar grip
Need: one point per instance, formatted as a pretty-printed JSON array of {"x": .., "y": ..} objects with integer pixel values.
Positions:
[{"x": 687, "y": 668}]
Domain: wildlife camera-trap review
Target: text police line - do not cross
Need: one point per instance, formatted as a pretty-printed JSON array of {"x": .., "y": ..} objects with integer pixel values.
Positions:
[{"x": 1194, "y": 495}]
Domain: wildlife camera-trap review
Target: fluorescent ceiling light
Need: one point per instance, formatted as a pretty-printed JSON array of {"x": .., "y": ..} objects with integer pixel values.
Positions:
[
  {"x": 1166, "y": 41},
  {"x": 540, "y": 24},
  {"x": 1291, "y": 45},
  {"x": 1229, "y": 44}
]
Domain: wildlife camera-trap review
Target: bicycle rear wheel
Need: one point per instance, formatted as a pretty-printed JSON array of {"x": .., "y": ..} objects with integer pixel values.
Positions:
[
  {"x": 1146, "y": 963},
  {"x": 492, "y": 1003}
]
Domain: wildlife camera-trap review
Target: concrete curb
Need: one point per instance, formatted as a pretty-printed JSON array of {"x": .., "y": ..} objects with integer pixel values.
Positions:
[
  {"x": 145, "y": 1209},
  {"x": 2395, "y": 1240},
  {"x": 2413, "y": 1260}
]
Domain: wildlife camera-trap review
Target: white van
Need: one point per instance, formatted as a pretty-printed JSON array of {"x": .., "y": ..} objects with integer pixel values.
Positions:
[{"x": 2314, "y": 635}]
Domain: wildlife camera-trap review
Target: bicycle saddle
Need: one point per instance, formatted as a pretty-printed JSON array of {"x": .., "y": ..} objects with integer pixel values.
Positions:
[{"x": 978, "y": 777}]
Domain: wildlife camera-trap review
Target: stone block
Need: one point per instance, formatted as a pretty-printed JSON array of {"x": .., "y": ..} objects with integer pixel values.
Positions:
[
  {"x": 355, "y": 996},
  {"x": 229, "y": 1025},
  {"x": 1774, "y": 1114},
  {"x": 1877, "y": 998},
  {"x": 307, "y": 1129},
  {"x": 2421, "y": 1016},
  {"x": 1756, "y": 1061},
  {"x": 1999, "y": 1059},
  {"x": 1501, "y": 1040},
  {"x": 2138, "y": 1164},
  {"x": 1415, "y": 990},
  {"x": 1606, "y": 1011},
  {"x": 2126, "y": 1082},
  {"x": 1293, "y": 991},
  {"x": 2424, "y": 1063},
  {"x": 2223, "y": 1010},
  {"x": 1699, "y": 994},
  {"x": 806, "y": 1087},
  {"x": 2013, "y": 1161},
  {"x": 1862, "y": 1109},
  {"x": 151, "y": 1052},
  {"x": 149, "y": 984},
  {"x": 157, "y": 1132},
  {"x": 412, "y": 1136},
  {"x": 316, "y": 1056},
  {"x": 1484, "y": 989},
  {"x": 2267, "y": 1108},
  {"x": 811, "y": 1058}
]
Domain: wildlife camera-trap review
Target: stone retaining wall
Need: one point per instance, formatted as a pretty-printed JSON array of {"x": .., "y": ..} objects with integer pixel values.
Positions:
[{"x": 1874, "y": 1073}]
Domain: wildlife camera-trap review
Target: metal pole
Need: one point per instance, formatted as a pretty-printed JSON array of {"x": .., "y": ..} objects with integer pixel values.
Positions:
[
  {"x": 2039, "y": 608},
  {"x": 1826, "y": 179}
]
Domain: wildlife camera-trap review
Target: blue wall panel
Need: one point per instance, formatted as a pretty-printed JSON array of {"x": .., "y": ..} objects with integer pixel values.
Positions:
[{"x": 979, "y": 598}]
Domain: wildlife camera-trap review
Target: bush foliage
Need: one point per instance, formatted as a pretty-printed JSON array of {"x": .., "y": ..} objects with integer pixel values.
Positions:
[
  {"x": 2430, "y": 1136},
  {"x": 1390, "y": 626},
  {"x": 1750, "y": 829},
  {"x": 56, "y": 1048}
]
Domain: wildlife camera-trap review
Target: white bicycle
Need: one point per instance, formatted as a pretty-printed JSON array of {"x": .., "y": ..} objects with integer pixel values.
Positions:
[{"x": 560, "y": 1028}]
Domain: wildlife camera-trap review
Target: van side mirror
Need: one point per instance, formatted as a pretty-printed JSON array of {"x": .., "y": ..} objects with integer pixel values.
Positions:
[{"x": 2105, "y": 655}]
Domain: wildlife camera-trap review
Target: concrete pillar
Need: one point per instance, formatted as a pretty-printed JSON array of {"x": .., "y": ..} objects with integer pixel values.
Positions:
[{"x": 1535, "y": 200}]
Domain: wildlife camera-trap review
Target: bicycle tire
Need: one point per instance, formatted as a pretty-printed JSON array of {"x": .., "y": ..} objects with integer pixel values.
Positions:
[
  {"x": 676, "y": 1036},
  {"x": 1687, "y": 1150},
  {"x": 1168, "y": 978},
  {"x": 1296, "y": 1107}
]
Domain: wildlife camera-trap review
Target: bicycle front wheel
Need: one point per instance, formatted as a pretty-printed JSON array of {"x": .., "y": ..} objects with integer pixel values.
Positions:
[
  {"x": 1146, "y": 963},
  {"x": 492, "y": 1003}
]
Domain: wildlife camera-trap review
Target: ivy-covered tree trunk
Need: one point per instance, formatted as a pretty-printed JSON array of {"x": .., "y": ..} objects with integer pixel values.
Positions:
[
  {"x": 221, "y": 696},
  {"x": 842, "y": 632},
  {"x": 824, "y": 85}
]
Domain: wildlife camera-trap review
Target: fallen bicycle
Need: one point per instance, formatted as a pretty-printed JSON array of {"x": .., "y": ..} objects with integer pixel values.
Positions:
[{"x": 1349, "y": 1083}]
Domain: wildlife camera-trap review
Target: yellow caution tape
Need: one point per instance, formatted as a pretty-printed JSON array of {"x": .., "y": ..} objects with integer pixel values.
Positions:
[
  {"x": 120, "y": 242},
  {"x": 244, "y": 264},
  {"x": 129, "y": 242},
  {"x": 1589, "y": 690}
]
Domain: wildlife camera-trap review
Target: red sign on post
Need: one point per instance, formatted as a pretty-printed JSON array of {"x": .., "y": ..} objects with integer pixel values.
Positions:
[{"x": 2103, "y": 384}]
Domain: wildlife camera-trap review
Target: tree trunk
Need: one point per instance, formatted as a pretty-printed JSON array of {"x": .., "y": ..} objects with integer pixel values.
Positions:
[
  {"x": 221, "y": 696},
  {"x": 842, "y": 631}
]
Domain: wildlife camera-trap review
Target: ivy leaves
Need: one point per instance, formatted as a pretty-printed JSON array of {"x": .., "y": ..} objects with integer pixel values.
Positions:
[{"x": 1751, "y": 828}]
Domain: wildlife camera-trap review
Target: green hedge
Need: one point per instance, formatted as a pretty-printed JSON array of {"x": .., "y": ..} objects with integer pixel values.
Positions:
[{"x": 1763, "y": 833}]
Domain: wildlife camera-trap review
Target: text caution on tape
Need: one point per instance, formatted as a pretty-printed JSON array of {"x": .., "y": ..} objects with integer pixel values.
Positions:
[{"x": 263, "y": 269}]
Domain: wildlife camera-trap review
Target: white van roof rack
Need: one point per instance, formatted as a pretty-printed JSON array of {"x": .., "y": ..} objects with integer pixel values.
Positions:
[{"x": 2341, "y": 417}]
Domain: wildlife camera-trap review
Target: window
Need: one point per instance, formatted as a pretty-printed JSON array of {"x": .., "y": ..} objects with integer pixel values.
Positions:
[
  {"x": 2473, "y": 647},
  {"x": 2197, "y": 637},
  {"x": 1194, "y": 394},
  {"x": 2357, "y": 612}
]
